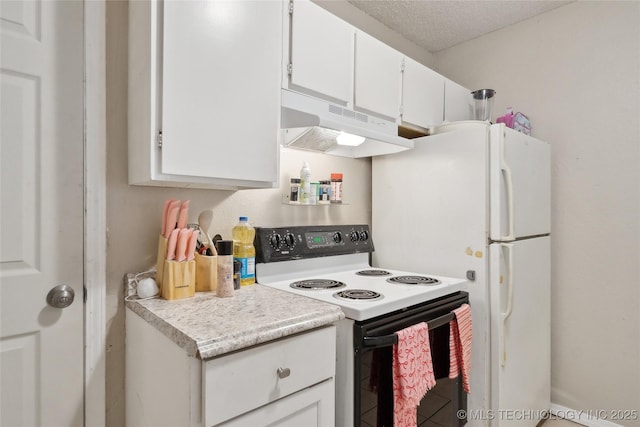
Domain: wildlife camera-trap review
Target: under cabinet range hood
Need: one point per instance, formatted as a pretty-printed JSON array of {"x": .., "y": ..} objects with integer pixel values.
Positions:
[{"x": 313, "y": 124}]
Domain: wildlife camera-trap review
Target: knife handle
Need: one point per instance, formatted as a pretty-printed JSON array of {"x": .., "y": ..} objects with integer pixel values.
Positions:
[
  {"x": 172, "y": 217},
  {"x": 191, "y": 246},
  {"x": 183, "y": 241},
  {"x": 183, "y": 215},
  {"x": 171, "y": 245},
  {"x": 165, "y": 213}
]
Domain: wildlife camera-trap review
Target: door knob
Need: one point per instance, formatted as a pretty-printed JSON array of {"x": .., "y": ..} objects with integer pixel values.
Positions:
[{"x": 60, "y": 296}]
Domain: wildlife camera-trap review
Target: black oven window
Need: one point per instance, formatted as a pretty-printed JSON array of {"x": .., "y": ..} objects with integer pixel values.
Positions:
[{"x": 437, "y": 408}]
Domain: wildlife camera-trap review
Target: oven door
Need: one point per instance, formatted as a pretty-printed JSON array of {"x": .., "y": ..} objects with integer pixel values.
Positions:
[{"x": 373, "y": 345}]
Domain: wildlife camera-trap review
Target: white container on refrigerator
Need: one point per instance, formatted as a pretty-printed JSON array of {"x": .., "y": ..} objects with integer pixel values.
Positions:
[{"x": 476, "y": 198}]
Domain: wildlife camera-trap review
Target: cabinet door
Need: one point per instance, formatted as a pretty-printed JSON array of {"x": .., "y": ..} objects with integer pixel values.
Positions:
[
  {"x": 457, "y": 102},
  {"x": 308, "y": 359},
  {"x": 321, "y": 52},
  {"x": 377, "y": 76},
  {"x": 422, "y": 95},
  {"x": 220, "y": 95},
  {"x": 311, "y": 407}
]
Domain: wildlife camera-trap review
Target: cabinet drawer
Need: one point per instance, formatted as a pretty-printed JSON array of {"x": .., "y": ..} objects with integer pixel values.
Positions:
[{"x": 240, "y": 382}]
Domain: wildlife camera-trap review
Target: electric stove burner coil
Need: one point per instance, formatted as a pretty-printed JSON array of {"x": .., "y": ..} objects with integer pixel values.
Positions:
[
  {"x": 317, "y": 284},
  {"x": 358, "y": 294},
  {"x": 373, "y": 272},
  {"x": 414, "y": 280}
]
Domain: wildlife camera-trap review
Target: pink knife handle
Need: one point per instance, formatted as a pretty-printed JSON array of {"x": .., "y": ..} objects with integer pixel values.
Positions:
[
  {"x": 172, "y": 217},
  {"x": 183, "y": 216},
  {"x": 165, "y": 212},
  {"x": 171, "y": 245},
  {"x": 183, "y": 241},
  {"x": 191, "y": 247}
]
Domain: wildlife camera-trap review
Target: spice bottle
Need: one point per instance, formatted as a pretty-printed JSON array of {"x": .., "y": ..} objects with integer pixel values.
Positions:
[
  {"x": 294, "y": 193},
  {"x": 313, "y": 195},
  {"x": 324, "y": 192},
  {"x": 336, "y": 188},
  {"x": 225, "y": 268}
]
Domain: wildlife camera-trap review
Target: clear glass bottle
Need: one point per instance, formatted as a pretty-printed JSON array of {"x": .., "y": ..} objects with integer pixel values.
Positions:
[{"x": 244, "y": 251}]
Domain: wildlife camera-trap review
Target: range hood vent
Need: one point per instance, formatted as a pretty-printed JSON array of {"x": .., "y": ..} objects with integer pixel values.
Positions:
[{"x": 313, "y": 124}]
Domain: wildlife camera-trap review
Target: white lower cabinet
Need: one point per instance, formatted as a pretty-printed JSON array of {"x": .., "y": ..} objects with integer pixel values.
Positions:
[
  {"x": 288, "y": 382},
  {"x": 311, "y": 407}
]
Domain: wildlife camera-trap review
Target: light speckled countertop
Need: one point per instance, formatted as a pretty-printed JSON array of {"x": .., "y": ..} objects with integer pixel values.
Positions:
[{"x": 207, "y": 326}]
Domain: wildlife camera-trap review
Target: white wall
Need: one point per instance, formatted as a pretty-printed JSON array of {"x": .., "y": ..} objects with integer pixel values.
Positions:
[{"x": 575, "y": 71}]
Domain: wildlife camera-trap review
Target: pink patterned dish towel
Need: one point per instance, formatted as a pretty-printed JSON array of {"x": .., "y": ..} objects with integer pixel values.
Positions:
[
  {"x": 460, "y": 344},
  {"x": 412, "y": 373}
]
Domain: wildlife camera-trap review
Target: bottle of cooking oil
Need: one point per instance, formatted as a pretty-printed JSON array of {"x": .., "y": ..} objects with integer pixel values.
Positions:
[{"x": 244, "y": 251}]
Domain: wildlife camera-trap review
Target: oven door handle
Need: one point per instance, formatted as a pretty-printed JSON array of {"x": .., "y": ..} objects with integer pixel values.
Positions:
[
  {"x": 382, "y": 341},
  {"x": 392, "y": 339}
]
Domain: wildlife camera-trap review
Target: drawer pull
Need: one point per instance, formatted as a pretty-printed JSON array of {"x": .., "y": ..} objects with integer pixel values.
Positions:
[{"x": 284, "y": 372}]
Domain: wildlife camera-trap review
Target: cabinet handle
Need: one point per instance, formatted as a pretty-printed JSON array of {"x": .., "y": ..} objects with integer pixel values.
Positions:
[{"x": 284, "y": 372}]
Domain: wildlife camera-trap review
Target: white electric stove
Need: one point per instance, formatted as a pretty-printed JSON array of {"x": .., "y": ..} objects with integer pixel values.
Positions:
[
  {"x": 362, "y": 292},
  {"x": 331, "y": 264}
]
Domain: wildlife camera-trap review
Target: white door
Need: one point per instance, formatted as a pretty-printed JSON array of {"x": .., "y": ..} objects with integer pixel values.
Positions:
[
  {"x": 521, "y": 327},
  {"x": 520, "y": 185},
  {"x": 321, "y": 53},
  {"x": 41, "y": 154}
]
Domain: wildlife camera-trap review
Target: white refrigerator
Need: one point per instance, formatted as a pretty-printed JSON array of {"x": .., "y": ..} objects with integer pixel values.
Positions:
[{"x": 473, "y": 201}]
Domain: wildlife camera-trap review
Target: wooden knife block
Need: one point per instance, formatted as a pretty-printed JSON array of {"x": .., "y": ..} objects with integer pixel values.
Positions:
[
  {"x": 206, "y": 273},
  {"x": 162, "y": 257},
  {"x": 178, "y": 280}
]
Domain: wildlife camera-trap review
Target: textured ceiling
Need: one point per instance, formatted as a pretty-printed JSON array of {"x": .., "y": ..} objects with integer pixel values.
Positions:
[{"x": 436, "y": 25}]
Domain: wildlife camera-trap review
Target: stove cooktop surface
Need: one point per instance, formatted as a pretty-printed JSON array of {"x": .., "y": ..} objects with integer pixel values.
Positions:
[
  {"x": 379, "y": 296},
  {"x": 330, "y": 263}
]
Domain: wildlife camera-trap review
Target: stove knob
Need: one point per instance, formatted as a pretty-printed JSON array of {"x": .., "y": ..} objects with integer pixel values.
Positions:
[
  {"x": 364, "y": 236},
  {"x": 275, "y": 241},
  {"x": 289, "y": 240},
  {"x": 353, "y": 236},
  {"x": 337, "y": 237}
]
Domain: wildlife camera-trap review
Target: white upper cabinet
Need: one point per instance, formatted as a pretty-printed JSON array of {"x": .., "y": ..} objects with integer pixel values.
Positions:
[
  {"x": 328, "y": 58},
  {"x": 377, "y": 76},
  {"x": 321, "y": 53},
  {"x": 422, "y": 95},
  {"x": 204, "y": 91},
  {"x": 457, "y": 102}
]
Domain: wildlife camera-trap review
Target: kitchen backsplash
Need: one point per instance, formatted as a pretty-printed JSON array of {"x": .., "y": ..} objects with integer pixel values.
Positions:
[{"x": 136, "y": 236}]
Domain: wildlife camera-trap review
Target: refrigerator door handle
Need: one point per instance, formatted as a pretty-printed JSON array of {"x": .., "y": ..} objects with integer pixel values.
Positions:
[
  {"x": 509, "y": 309},
  {"x": 509, "y": 184}
]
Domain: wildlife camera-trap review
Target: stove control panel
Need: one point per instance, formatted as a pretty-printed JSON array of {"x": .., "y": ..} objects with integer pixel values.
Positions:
[{"x": 289, "y": 243}]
